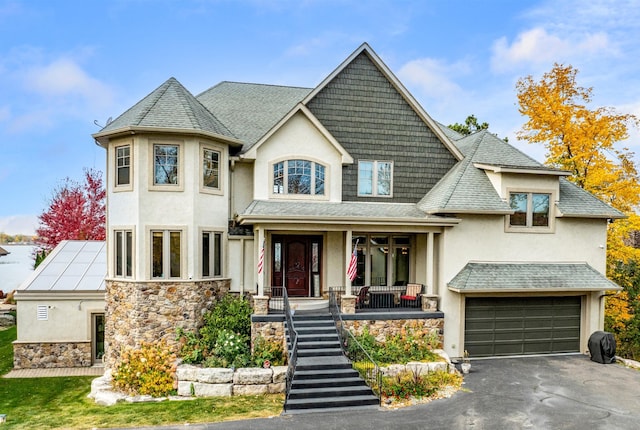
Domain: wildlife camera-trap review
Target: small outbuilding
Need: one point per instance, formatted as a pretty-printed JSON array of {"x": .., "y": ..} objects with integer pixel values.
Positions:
[{"x": 60, "y": 309}]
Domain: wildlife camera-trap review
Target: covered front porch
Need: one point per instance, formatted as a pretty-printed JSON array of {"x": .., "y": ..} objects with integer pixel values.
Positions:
[{"x": 373, "y": 255}]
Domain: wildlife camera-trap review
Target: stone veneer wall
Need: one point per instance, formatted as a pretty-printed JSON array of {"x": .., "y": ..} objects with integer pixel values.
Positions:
[
  {"x": 27, "y": 355},
  {"x": 148, "y": 311},
  {"x": 272, "y": 331},
  {"x": 382, "y": 328}
]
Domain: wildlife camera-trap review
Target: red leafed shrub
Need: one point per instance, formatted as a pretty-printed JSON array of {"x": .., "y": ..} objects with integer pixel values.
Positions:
[{"x": 76, "y": 212}]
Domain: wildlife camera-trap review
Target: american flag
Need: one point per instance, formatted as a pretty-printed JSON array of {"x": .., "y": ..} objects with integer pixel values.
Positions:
[
  {"x": 261, "y": 259},
  {"x": 352, "y": 270}
]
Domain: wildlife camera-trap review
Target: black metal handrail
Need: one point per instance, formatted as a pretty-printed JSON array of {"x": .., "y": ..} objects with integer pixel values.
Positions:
[
  {"x": 360, "y": 359},
  {"x": 292, "y": 344}
]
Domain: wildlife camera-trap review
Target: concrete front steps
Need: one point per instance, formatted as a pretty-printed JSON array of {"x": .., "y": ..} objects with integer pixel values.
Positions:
[{"x": 324, "y": 379}]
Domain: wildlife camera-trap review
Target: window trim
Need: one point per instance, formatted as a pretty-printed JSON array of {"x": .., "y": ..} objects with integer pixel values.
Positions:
[
  {"x": 116, "y": 185},
  {"x": 114, "y": 233},
  {"x": 374, "y": 179},
  {"x": 286, "y": 195},
  {"x": 166, "y": 230},
  {"x": 212, "y": 256},
  {"x": 221, "y": 173},
  {"x": 152, "y": 164},
  {"x": 529, "y": 228}
]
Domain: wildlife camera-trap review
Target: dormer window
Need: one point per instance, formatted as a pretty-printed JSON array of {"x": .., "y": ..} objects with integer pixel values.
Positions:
[
  {"x": 531, "y": 210},
  {"x": 298, "y": 177}
]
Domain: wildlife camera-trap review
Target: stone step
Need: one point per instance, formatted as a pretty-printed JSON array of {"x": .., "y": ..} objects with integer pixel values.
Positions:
[
  {"x": 317, "y": 382},
  {"x": 333, "y": 373},
  {"x": 319, "y": 352},
  {"x": 323, "y": 403},
  {"x": 346, "y": 391}
]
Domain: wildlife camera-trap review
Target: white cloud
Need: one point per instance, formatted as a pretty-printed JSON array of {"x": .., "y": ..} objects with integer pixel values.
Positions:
[
  {"x": 65, "y": 77},
  {"x": 19, "y": 224},
  {"x": 433, "y": 77},
  {"x": 537, "y": 46}
]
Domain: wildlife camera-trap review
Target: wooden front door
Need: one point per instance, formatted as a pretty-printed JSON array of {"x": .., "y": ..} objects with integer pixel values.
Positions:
[{"x": 296, "y": 264}]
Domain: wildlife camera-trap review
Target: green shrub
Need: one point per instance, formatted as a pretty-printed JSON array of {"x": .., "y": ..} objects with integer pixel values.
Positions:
[
  {"x": 267, "y": 354},
  {"x": 413, "y": 384},
  {"x": 149, "y": 370},
  {"x": 410, "y": 344}
]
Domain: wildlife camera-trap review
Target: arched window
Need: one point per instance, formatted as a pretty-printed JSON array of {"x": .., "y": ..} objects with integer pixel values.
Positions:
[{"x": 298, "y": 177}]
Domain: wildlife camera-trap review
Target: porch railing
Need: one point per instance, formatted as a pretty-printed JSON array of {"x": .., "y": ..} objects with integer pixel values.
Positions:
[
  {"x": 292, "y": 343},
  {"x": 276, "y": 300},
  {"x": 360, "y": 359},
  {"x": 388, "y": 297}
]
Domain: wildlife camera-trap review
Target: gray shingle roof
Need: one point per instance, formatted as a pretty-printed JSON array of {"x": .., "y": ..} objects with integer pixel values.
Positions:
[
  {"x": 251, "y": 110},
  {"x": 73, "y": 265},
  {"x": 507, "y": 277},
  {"x": 170, "y": 106},
  {"x": 576, "y": 202},
  {"x": 465, "y": 188},
  {"x": 327, "y": 211}
]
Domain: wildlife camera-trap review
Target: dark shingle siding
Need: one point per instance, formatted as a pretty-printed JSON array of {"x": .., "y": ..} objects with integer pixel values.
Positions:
[{"x": 367, "y": 115}]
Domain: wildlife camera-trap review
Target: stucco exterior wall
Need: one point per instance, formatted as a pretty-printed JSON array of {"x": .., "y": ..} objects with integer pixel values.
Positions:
[
  {"x": 69, "y": 319},
  {"x": 298, "y": 139},
  {"x": 483, "y": 238},
  {"x": 184, "y": 206},
  {"x": 241, "y": 264}
]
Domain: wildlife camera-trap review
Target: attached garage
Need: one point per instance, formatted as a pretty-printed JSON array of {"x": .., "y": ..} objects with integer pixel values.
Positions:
[
  {"x": 497, "y": 326},
  {"x": 527, "y": 308}
]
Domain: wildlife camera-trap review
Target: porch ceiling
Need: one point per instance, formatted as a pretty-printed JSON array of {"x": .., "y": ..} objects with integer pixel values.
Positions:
[{"x": 313, "y": 212}]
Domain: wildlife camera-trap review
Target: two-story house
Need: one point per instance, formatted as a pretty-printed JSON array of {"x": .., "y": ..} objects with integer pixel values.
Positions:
[{"x": 247, "y": 187}]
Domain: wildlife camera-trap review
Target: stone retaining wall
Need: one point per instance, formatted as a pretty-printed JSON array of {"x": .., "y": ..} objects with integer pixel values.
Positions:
[
  {"x": 46, "y": 355},
  {"x": 137, "y": 312},
  {"x": 383, "y": 328},
  {"x": 217, "y": 382}
]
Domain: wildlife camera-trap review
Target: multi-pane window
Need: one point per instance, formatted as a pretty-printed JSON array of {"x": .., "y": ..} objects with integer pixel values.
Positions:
[
  {"x": 166, "y": 254},
  {"x": 124, "y": 253},
  {"x": 530, "y": 209},
  {"x": 210, "y": 168},
  {"x": 302, "y": 177},
  {"x": 375, "y": 178},
  {"x": 165, "y": 165},
  {"x": 123, "y": 165},
  {"x": 211, "y": 254},
  {"x": 382, "y": 259}
]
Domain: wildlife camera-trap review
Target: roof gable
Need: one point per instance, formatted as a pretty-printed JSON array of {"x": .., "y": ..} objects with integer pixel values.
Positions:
[
  {"x": 374, "y": 118},
  {"x": 169, "y": 107},
  {"x": 302, "y": 109}
]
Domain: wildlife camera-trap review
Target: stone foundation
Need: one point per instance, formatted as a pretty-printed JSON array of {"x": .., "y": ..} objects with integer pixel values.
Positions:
[
  {"x": 50, "y": 355},
  {"x": 137, "y": 312}
]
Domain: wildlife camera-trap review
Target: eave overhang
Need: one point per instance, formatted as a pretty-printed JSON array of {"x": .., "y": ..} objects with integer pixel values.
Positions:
[{"x": 102, "y": 138}]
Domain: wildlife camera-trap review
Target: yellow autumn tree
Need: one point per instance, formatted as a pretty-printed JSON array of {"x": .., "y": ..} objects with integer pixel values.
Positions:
[{"x": 585, "y": 141}]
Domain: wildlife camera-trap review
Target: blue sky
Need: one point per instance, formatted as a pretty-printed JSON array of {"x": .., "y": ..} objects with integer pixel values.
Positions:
[{"x": 66, "y": 64}]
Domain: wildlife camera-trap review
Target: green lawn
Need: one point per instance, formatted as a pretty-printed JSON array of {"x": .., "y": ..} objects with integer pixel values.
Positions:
[{"x": 51, "y": 403}]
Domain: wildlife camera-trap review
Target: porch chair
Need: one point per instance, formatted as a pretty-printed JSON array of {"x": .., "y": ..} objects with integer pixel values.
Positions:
[
  {"x": 411, "y": 297},
  {"x": 362, "y": 299}
]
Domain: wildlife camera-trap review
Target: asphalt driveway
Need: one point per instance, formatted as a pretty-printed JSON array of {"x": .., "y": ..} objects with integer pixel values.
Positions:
[{"x": 561, "y": 392}]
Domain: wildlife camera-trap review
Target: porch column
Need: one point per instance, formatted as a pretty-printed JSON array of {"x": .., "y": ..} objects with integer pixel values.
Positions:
[
  {"x": 430, "y": 264},
  {"x": 259, "y": 243},
  {"x": 348, "y": 250}
]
